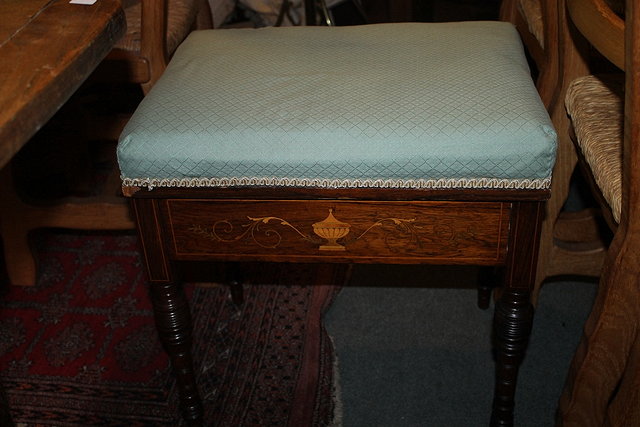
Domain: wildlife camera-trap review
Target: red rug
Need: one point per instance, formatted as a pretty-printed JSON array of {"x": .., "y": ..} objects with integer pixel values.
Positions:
[{"x": 80, "y": 348}]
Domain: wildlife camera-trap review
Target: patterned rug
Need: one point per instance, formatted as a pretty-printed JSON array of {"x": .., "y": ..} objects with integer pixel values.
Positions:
[{"x": 80, "y": 348}]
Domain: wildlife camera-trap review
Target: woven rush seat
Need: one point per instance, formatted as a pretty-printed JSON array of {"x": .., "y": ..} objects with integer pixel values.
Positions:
[
  {"x": 595, "y": 104},
  {"x": 180, "y": 15},
  {"x": 389, "y": 105}
]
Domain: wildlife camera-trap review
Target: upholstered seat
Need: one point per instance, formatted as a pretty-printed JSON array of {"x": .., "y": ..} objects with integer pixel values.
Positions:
[{"x": 408, "y": 106}]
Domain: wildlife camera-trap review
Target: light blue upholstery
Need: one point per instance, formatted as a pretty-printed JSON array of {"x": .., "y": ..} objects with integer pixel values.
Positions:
[{"x": 390, "y": 105}]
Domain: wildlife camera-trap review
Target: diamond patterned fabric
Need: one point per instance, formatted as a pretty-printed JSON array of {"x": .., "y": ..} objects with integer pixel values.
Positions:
[{"x": 395, "y": 105}]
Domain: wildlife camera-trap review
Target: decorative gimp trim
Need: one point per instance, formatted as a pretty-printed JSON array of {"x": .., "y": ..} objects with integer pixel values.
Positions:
[{"x": 443, "y": 183}]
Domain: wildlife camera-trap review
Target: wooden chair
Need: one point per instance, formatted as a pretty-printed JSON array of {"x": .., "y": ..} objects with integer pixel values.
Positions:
[
  {"x": 571, "y": 243},
  {"x": 391, "y": 143},
  {"x": 154, "y": 30},
  {"x": 604, "y": 379},
  {"x": 536, "y": 21}
]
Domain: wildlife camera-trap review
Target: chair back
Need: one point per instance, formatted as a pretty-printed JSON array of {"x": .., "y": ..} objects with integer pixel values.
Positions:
[
  {"x": 155, "y": 28},
  {"x": 600, "y": 26},
  {"x": 537, "y": 23}
]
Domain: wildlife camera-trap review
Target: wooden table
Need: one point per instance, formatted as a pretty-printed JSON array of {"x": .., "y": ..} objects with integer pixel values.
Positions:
[{"x": 47, "y": 49}]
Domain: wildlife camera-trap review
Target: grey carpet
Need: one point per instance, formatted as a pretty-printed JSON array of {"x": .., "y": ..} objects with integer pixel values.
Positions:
[{"x": 421, "y": 356}]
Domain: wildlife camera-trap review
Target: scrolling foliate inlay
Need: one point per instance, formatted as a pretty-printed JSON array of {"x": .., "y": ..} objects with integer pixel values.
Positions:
[
  {"x": 331, "y": 234},
  {"x": 268, "y": 238}
]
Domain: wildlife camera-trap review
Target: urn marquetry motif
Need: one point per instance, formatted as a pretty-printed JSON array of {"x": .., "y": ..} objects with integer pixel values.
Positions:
[{"x": 331, "y": 230}]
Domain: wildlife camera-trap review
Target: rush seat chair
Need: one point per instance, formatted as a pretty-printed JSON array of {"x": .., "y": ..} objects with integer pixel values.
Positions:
[
  {"x": 603, "y": 384},
  {"x": 387, "y": 143}
]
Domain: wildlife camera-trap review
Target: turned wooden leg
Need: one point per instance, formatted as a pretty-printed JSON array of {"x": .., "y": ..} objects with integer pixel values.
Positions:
[
  {"x": 173, "y": 321},
  {"x": 512, "y": 327},
  {"x": 514, "y": 312},
  {"x": 170, "y": 307}
]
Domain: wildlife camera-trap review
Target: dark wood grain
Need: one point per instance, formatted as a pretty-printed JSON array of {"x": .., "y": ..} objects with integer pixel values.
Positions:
[
  {"x": 47, "y": 49},
  {"x": 399, "y": 232},
  {"x": 526, "y": 220},
  {"x": 151, "y": 238},
  {"x": 387, "y": 194}
]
